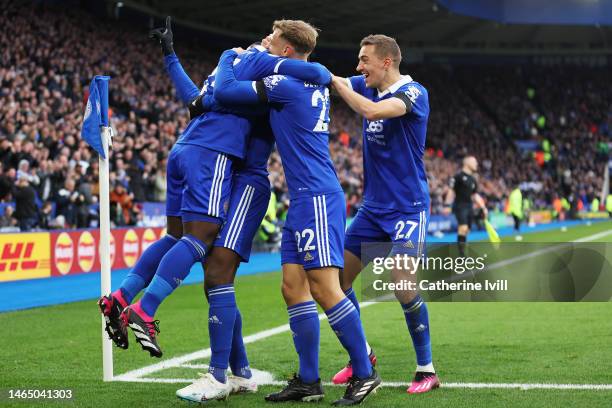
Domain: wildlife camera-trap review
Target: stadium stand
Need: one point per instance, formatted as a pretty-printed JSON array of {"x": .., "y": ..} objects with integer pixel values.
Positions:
[{"x": 524, "y": 123}]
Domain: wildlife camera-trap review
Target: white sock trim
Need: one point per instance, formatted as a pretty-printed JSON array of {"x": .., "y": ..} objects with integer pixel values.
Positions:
[{"x": 429, "y": 368}]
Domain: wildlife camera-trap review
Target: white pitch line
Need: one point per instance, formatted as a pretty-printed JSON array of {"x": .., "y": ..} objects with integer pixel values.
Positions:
[
  {"x": 205, "y": 353},
  {"x": 136, "y": 375},
  {"x": 535, "y": 253},
  {"x": 594, "y": 237},
  {"x": 520, "y": 386},
  {"x": 542, "y": 251}
]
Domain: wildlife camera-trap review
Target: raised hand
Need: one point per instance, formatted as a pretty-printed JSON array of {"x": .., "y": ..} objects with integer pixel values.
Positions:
[{"x": 164, "y": 36}]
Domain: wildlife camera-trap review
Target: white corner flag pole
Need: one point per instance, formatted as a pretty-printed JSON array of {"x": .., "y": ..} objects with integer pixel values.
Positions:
[{"x": 105, "y": 272}]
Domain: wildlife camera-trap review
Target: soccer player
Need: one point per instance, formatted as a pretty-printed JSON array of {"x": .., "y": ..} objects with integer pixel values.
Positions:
[
  {"x": 396, "y": 197},
  {"x": 312, "y": 242},
  {"x": 464, "y": 187},
  {"x": 247, "y": 205}
]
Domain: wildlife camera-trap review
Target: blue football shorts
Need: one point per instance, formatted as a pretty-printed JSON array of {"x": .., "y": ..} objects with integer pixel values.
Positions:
[
  {"x": 198, "y": 184},
  {"x": 247, "y": 208},
  {"x": 405, "y": 231},
  {"x": 313, "y": 235}
]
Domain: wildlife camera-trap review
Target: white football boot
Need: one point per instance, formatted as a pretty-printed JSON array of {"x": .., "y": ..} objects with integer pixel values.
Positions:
[
  {"x": 204, "y": 389},
  {"x": 241, "y": 385}
]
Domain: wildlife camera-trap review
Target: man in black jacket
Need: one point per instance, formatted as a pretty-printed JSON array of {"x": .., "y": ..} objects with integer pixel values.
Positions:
[{"x": 26, "y": 211}]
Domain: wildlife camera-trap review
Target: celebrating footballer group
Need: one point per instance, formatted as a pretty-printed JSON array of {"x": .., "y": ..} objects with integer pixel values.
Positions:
[{"x": 218, "y": 193}]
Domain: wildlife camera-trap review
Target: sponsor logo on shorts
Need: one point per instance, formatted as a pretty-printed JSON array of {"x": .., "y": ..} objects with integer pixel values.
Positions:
[
  {"x": 408, "y": 244},
  {"x": 308, "y": 257}
]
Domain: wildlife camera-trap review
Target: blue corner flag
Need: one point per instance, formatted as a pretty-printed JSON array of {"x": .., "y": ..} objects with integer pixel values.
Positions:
[{"x": 96, "y": 113}]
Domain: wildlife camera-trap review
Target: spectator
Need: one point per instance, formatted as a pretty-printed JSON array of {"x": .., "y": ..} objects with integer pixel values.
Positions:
[
  {"x": 160, "y": 185},
  {"x": 69, "y": 203},
  {"x": 565, "y": 110},
  {"x": 122, "y": 206},
  {"x": 26, "y": 211},
  {"x": 7, "y": 220}
]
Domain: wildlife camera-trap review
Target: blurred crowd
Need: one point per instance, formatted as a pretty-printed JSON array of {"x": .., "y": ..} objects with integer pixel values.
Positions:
[{"x": 49, "y": 56}]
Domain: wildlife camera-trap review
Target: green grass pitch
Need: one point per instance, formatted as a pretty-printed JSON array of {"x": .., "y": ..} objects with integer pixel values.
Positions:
[{"x": 59, "y": 347}]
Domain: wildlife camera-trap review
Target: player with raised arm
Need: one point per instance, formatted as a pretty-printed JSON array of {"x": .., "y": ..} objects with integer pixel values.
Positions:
[
  {"x": 243, "y": 208},
  {"x": 464, "y": 187},
  {"x": 312, "y": 243},
  {"x": 396, "y": 196},
  {"x": 247, "y": 207}
]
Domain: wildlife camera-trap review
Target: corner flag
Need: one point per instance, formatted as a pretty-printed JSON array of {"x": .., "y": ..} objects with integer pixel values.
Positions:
[
  {"x": 493, "y": 236},
  {"x": 96, "y": 113},
  {"x": 97, "y": 133}
]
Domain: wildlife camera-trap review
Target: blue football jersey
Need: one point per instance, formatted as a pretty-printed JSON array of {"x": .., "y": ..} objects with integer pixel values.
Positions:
[
  {"x": 254, "y": 167},
  {"x": 299, "y": 117},
  {"x": 228, "y": 132},
  {"x": 393, "y": 149}
]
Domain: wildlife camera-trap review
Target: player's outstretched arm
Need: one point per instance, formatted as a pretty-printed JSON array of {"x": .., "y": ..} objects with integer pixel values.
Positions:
[
  {"x": 186, "y": 90},
  {"x": 264, "y": 65},
  {"x": 311, "y": 72},
  {"x": 230, "y": 91},
  {"x": 385, "y": 109}
]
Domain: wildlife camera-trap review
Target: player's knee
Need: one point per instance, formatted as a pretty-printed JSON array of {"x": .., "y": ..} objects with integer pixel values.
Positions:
[
  {"x": 324, "y": 293},
  {"x": 405, "y": 296},
  {"x": 204, "y": 231},
  {"x": 288, "y": 293},
  {"x": 292, "y": 293},
  {"x": 218, "y": 279},
  {"x": 219, "y": 274},
  {"x": 319, "y": 293},
  {"x": 346, "y": 280}
]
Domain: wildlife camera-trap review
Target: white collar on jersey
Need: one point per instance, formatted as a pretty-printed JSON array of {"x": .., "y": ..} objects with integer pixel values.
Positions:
[{"x": 393, "y": 88}]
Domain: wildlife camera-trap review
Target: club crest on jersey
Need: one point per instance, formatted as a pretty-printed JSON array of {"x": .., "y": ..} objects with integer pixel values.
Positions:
[
  {"x": 273, "y": 80},
  {"x": 412, "y": 93},
  {"x": 308, "y": 257},
  {"x": 375, "y": 126}
]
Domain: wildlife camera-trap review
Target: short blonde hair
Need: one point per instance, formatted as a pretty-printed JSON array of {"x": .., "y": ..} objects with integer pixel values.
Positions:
[
  {"x": 301, "y": 35},
  {"x": 384, "y": 47}
]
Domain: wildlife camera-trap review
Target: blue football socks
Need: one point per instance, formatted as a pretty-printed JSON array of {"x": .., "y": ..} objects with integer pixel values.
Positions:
[
  {"x": 305, "y": 328},
  {"x": 221, "y": 319},
  {"x": 144, "y": 270},
  {"x": 417, "y": 320},
  {"x": 238, "y": 361},
  {"x": 173, "y": 268},
  {"x": 344, "y": 321}
]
